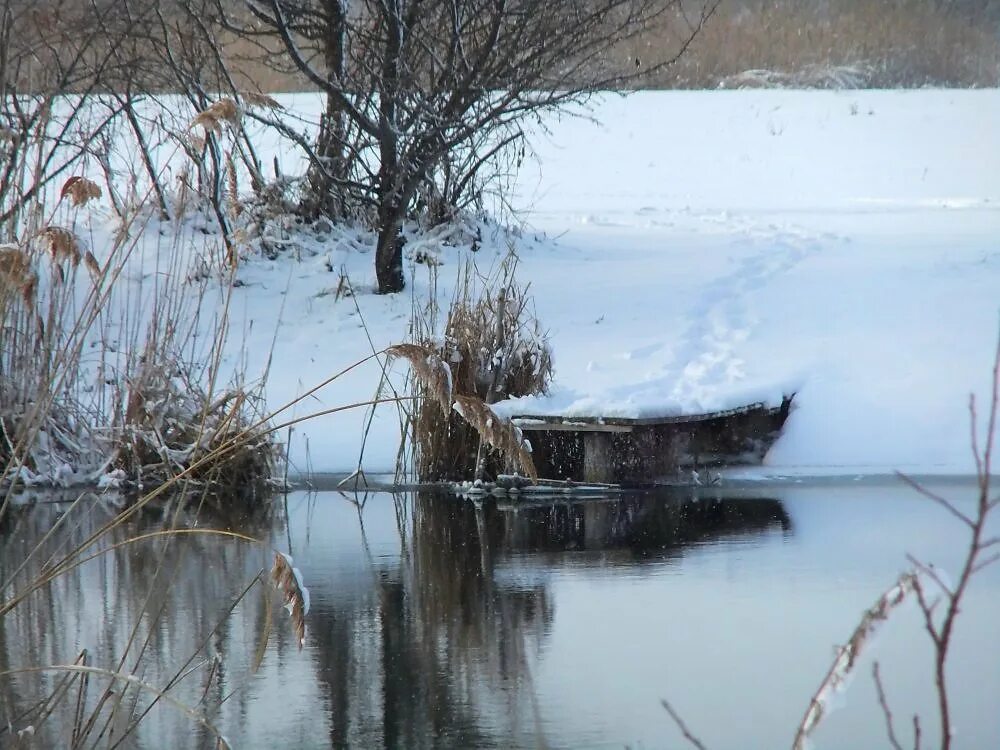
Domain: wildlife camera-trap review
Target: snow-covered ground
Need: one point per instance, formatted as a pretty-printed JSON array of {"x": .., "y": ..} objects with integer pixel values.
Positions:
[{"x": 698, "y": 249}]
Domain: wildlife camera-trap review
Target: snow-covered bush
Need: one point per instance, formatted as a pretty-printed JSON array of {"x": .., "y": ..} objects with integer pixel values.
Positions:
[{"x": 105, "y": 367}]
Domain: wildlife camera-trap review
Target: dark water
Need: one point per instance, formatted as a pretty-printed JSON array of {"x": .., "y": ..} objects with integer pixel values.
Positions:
[{"x": 437, "y": 622}]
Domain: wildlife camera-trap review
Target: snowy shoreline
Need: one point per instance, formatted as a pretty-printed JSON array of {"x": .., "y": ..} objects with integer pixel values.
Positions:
[
  {"x": 693, "y": 251},
  {"x": 700, "y": 247}
]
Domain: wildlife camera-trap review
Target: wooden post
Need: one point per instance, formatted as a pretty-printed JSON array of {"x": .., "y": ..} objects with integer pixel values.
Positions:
[{"x": 597, "y": 464}]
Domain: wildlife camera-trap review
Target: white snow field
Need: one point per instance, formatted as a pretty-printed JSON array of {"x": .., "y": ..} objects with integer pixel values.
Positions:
[{"x": 696, "y": 250}]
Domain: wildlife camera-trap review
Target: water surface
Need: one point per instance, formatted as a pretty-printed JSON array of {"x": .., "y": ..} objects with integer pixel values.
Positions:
[{"x": 439, "y": 622}]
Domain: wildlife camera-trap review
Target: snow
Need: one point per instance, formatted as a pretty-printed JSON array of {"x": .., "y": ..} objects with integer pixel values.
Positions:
[
  {"x": 727, "y": 247},
  {"x": 694, "y": 251}
]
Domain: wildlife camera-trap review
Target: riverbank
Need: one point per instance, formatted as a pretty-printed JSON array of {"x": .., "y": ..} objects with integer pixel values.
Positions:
[{"x": 696, "y": 248}]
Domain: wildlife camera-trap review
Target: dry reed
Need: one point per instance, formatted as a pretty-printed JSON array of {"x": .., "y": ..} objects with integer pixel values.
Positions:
[
  {"x": 212, "y": 117},
  {"x": 429, "y": 369},
  {"x": 139, "y": 399},
  {"x": 80, "y": 191},
  {"x": 848, "y": 655},
  {"x": 260, "y": 100},
  {"x": 16, "y": 276},
  {"x": 814, "y": 44},
  {"x": 494, "y": 348},
  {"x": 63, "y": 244},
  {"x": 857, "y": 44},
  {"x": 288, "y": 580},
  {"x": 497, "y": 431}
]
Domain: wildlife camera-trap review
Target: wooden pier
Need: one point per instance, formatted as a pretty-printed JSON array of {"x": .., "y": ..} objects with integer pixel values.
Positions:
[{"x": 620, "y": 450}]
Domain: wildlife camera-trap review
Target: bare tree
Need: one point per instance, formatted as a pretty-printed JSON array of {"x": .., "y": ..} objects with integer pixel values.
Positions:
[
  {"x": 48, "y": 51},
  {"x": 416, "y": 89},
  {"x": 74, "y": 74}
]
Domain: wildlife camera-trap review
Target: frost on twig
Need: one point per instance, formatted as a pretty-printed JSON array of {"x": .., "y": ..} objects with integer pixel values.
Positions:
[{"x": 848, "y": 655}]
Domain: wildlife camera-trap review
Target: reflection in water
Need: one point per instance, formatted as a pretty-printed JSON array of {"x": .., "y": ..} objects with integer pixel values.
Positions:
[
  {"x": 151, "y": 608},
  {"x": 413, "y": 640},
  {"x": 645, "y": 525}
]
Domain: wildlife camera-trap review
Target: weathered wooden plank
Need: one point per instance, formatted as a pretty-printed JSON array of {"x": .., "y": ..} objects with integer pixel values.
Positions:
[
  {"x": 598, "y": 458},
  {"x": 527, "y": 425}
]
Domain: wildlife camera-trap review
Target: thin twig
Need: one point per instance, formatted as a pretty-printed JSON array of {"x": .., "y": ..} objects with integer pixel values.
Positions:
[
  {"x": 931, "y": 572},
  {"x": 943, "y": 502},
  {"x": 884, "y": 704},
  {"x": 694, "y": 741}
]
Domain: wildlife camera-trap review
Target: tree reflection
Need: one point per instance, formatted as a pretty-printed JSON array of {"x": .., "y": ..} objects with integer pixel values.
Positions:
[
  {"x": 438, "y": 652},
  {"x": 430, "y": 645}
]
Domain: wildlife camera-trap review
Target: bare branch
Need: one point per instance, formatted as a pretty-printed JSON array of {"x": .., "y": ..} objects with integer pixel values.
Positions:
[
  {"x": 931, "y": 572},
  {"x": 927, "y": 609},
  {"x": 985, "y": 562},
  {"x": 943, "y": 502},
  {"x": 884, "y": 704},
  {"x": 847, "y": 656},
  {"x": 694, "y": 741}
]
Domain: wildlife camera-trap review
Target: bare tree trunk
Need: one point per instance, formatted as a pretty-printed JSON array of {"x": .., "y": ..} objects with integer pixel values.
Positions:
[
  {"x": 389, "y": 257},
  {"x": 328, "y": 171},
  {"x": 391, "y": 201}
]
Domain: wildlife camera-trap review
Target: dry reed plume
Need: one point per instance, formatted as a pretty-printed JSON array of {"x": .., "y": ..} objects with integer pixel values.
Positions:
[
  {"x": 80, "y": 191},
  {"x": 212, "y": 117},
  {"x": 93, "y": 266},
  {"x": 288, "y": 580},
  {"x": 498, "y": 432},
  {"x": 434, "y": 376},
  {"x": 260, "y": 101},
  {"x": 430, "y": 370},
  {"x": 62, "y": 244},
  {"x": 17, "y": 275}
]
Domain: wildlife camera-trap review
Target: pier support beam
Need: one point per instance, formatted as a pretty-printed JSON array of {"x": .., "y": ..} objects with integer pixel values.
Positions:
[{"x": 597, "y": 458}]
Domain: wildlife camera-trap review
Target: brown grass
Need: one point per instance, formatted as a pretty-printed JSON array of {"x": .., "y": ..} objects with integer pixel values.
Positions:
[{"x": 856, "y": 44}]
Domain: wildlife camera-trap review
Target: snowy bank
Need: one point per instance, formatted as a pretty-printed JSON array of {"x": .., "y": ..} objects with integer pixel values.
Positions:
[{"x": 697, "y": 249}]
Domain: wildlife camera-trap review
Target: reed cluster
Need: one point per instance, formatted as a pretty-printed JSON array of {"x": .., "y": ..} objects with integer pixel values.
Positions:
[{"x": 492, "y": 348}]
